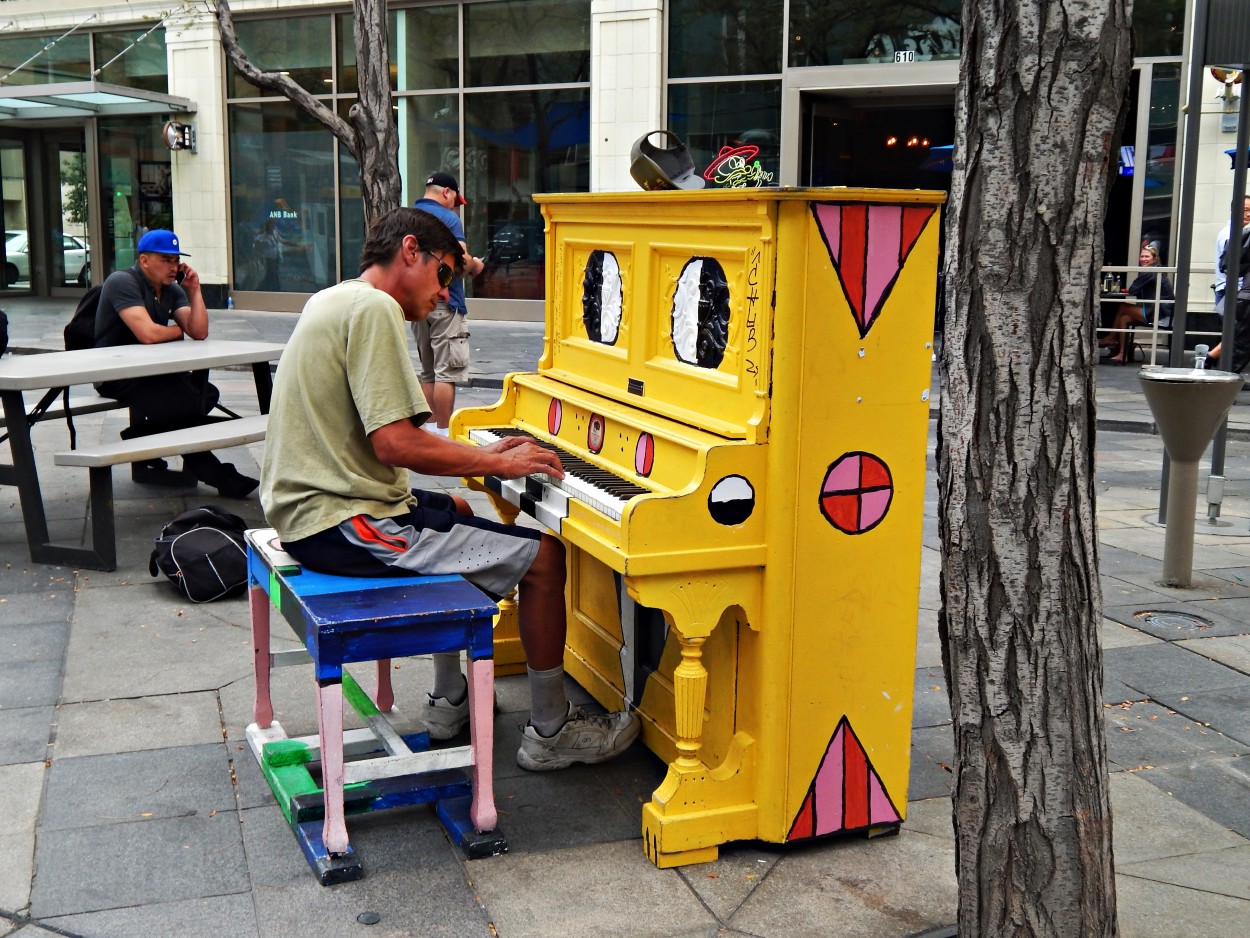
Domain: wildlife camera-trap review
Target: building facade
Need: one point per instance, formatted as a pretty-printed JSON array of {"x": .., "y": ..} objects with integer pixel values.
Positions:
[{"x": 514, "y": 97}]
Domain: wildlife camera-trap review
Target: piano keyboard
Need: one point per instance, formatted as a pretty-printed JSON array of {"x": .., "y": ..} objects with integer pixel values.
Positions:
[{"x": 546, "y": 498}]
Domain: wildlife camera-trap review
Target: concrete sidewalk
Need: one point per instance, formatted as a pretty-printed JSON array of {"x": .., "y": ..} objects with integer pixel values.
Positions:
[{"x": 130, "y": 805}]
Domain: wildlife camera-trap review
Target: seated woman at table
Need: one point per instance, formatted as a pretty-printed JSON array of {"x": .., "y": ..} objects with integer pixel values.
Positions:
[
  {"x": 1141, "y": 313},
  {"x": 159, "y": 300}
]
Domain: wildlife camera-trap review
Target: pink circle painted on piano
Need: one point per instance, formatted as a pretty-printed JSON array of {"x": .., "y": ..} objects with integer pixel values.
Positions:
[
  {"x": 555, "y": 414},
  {"x": 595, "y": 433},
  {"x": 644, "y": 455},
  {"x": 856, "y": 493}
]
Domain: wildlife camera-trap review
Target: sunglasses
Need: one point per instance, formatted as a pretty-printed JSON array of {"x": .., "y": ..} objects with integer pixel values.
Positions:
[{"x": 445, "y": 274}]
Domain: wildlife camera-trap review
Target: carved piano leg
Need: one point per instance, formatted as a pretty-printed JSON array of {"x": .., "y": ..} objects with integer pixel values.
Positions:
[{"x": 697, "y": 807}]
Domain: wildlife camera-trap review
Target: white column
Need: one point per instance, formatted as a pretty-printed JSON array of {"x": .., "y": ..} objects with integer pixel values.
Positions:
[
  {"x": 626, "y": 85},
  {"x": 200, "y": 180}
]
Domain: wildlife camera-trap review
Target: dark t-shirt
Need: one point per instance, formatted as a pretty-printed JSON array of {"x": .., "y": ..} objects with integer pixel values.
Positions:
[
  {"x": 455, "y": 292},
  {"x": 125, "y": 288}
]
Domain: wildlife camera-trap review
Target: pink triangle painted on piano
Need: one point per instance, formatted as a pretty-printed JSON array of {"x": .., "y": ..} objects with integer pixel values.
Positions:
[
  {"x": 846, "y": 792},
  {"x": 868, "y": 246}
]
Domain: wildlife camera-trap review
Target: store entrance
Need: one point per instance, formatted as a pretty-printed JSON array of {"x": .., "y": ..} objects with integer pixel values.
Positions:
[
  {"x": 869, "y": 140},
  {"x": 43, "y": 177}
]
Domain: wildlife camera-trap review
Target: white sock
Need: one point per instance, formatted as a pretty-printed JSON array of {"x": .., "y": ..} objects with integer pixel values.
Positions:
[
  {"x": 448, "y": 681},
  {"x": 549, "y": 704}
]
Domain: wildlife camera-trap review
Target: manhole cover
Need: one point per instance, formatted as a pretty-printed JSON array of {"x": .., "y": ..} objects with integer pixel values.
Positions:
[{"x": 1173, "y": 620}]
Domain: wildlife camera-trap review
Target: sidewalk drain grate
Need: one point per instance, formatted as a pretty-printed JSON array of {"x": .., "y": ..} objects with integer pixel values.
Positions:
[{"x": 1173, "y": 620}]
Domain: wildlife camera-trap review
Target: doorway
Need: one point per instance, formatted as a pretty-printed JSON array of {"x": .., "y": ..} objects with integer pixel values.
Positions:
[{"x": 47, "y": 244}]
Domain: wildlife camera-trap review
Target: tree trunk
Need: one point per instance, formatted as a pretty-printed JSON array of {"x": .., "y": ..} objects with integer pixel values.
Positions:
[
  {"x": 1042, "y": 87},
  {"x": 370, "y": 137}
]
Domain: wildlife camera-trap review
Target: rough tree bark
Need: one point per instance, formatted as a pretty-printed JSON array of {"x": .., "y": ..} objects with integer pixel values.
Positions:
[
  {"x": 1042, "y": 84},
  {"x": 369, "y": 132}
]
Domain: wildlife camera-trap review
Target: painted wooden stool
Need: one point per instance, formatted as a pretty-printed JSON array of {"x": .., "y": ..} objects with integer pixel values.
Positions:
[{"x": 353, "y": 619}]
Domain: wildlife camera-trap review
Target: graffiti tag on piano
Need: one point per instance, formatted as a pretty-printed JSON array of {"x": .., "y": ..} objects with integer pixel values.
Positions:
[{"x": 753, "y": 297}]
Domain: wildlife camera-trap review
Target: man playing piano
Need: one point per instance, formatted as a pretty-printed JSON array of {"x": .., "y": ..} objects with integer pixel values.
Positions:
[{"x": 345, "y": 426}]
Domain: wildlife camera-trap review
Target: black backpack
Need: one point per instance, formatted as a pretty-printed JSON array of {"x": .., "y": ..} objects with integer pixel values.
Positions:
[
  {"x": 203, "y": 552},
  {"x": 80, "y": 330}
]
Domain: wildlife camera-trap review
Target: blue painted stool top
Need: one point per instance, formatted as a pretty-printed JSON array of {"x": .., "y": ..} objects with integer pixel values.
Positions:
[{"x": 447, "y": 610}]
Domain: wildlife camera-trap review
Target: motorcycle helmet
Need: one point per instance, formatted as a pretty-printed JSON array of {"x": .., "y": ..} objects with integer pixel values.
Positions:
[{"x": 668, "y": 166}]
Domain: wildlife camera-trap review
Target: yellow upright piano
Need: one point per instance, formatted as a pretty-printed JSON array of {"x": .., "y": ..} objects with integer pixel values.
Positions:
[{"x": 738, "y": 383}]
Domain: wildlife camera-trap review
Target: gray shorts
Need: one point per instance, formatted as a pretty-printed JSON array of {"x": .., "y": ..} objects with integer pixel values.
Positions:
[
  {"x": 432, "y": 539},
  {"x": 442, "y": 345}
]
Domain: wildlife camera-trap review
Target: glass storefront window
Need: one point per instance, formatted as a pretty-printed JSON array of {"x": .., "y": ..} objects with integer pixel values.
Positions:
[
  {"x": 135, "y": 188},
  {"x": 517, "y": 144},
  {"x": 1160, "y": 162},
  {"x": 143, "y": 65},
  {"x": 282, "y": 199},
  {"x": 743, "y": 114},
  {"x": 844, "y": 32},
  {"x": 527, "y": 42},
  {"x": 429, "y": 140},
  {"x": 297, "y": 45},
  {"x": 1158, "y": 27},
  {"x": 424, "y": 49},
  {"x": 724, "y": 37},
  {"x": 68, "y": 60}
]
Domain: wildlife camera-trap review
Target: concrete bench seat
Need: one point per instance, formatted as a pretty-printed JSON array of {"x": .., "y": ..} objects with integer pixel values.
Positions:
[{"x": 99, "y": 460}]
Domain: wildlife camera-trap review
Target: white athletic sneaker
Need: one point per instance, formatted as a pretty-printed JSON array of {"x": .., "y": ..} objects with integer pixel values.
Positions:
[
  {"x": 442, "y": 718},
  {"x": 585, "y": 737}
]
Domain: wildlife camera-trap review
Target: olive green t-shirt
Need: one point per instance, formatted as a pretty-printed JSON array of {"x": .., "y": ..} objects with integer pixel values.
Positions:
[{"x": 344, "y": 373}]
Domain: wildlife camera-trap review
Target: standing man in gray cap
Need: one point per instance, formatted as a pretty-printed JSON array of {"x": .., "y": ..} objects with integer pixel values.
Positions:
[{"x": 442, "y": 339}]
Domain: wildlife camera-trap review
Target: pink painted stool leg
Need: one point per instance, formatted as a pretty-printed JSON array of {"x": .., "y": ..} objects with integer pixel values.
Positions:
[
  {"x": 262, "y": 706},
  {"x": 385, "y": 697},
  {"x": 330, "y": 726},
  {"x": 482, "y": 739}
]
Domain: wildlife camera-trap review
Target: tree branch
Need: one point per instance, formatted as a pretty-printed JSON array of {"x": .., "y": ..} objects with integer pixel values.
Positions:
[{"x": 283, "y": 84}]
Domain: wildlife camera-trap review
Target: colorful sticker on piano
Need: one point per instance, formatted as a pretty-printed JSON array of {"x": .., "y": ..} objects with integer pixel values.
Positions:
[
  {"x": 856, "y": 492},
  {"x": 700, "y": 327},
  {"x": 731, "y": 500},
  {"x": 595, "y": 433},
  {"x": 602, "y": 297},
  {"x": 868, "y": 245},
  {"x": 846, "y": 792}
]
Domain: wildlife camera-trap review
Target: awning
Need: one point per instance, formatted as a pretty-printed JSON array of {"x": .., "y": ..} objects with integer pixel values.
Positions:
[{"x": 84, "y": 99}]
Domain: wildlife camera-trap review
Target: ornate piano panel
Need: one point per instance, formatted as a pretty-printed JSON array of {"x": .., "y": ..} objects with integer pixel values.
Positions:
[{"x": 739, "y": 380}]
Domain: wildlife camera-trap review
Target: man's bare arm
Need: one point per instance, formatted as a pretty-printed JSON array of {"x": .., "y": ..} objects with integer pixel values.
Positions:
[{"x": 403, "y": 444}]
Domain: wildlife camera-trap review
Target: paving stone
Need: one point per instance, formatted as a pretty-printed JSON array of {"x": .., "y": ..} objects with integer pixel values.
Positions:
[
  {"x": 187, "y": 781},
  {"x": 887, "y": 886},
  {"x": 24, "y": 733},
  {"x": 1118, "y": 635},
  {"x": 34, "y": 641},
  {"x": 1219, "y": 788},
  {"x": 159, "y": 722},
  {"x": 536, "y": 895},
  {"x": 931, "y": 816},
  {"x": 1147, "y": 734},
  {"x": 113, "y": 866},
  {"x": 1218, "y": 871},
  {"x": 1150, "y": 824},
  {"x": 25, "y": 576},
  {"x": 27, "y": 608},
  {"x": 21, "y": 787},
  {"x": 1163, "y": 669},
  {"x": 1233, "y": 651},
  {"x": 1117, "y": 592},
  {"x": 725, "y": 883},
  {"x": 931, "y": 704},
  {"x": 29, "y": 683},
  {"x": 931, "y": 762},
  {"x": 1213, "y": 618},
  {"x": 190, "y": 918},
  {"x": 1226, "y": 709},
  {"x": 1156, "y": 910},
  {"x": 527, "y": 815}
]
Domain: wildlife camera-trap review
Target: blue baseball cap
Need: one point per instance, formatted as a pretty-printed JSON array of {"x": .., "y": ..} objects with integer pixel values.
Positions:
[{"x": 160, "y": 241}]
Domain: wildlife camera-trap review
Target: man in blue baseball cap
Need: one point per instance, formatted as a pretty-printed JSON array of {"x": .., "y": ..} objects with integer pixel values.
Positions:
[{"x": 159, "y": 300}]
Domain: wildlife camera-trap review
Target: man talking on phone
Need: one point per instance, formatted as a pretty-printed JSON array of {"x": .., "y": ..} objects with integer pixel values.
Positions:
[{"x": 159, "y": 300}]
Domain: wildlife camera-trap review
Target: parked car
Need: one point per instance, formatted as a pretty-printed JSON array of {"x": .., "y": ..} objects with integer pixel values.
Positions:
[{"x": 17, "y": 258}]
